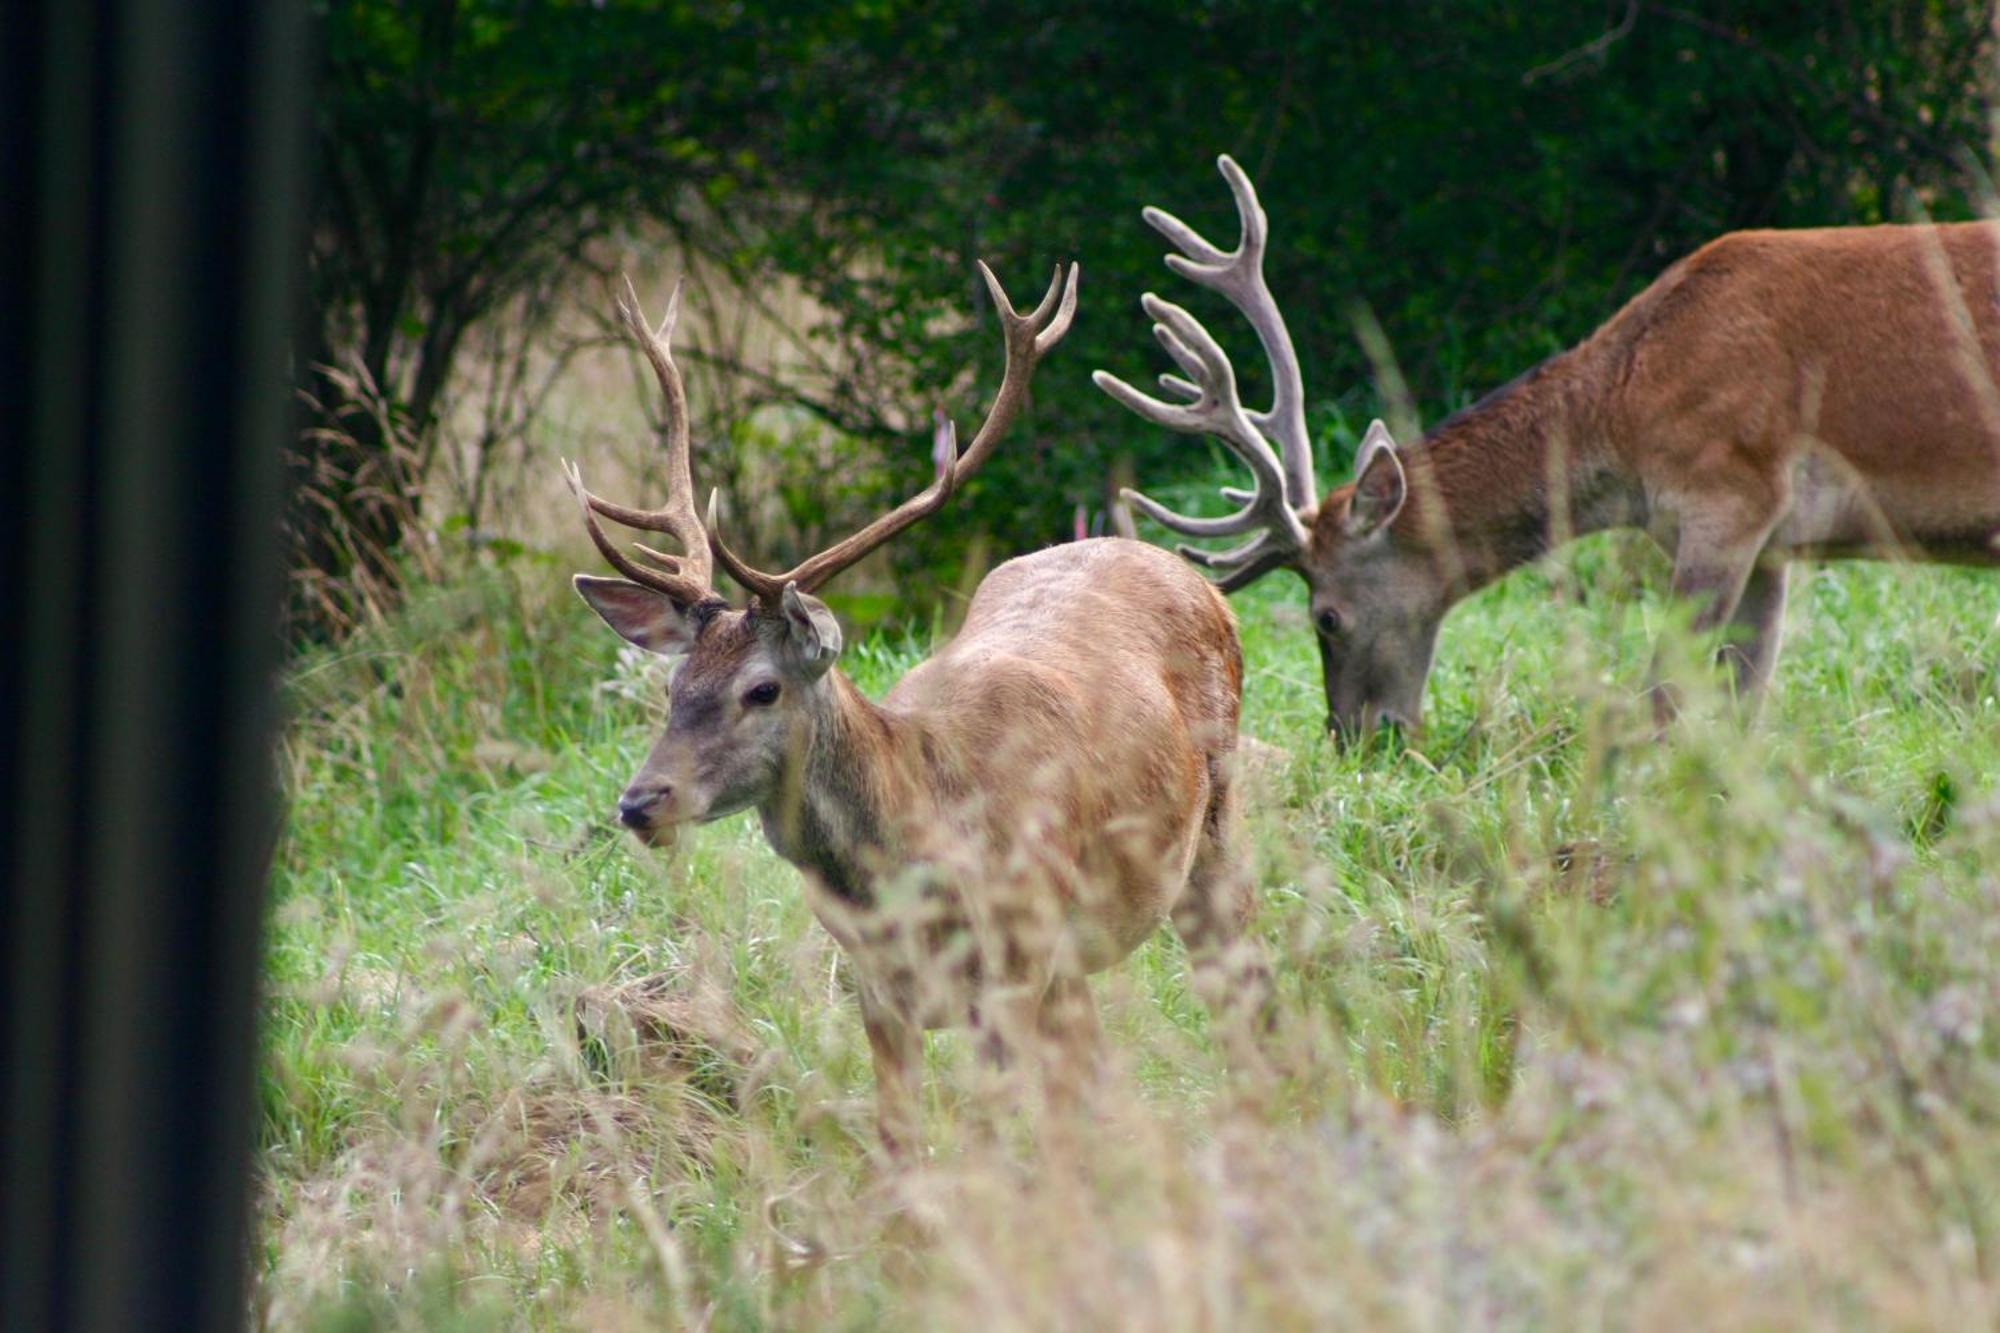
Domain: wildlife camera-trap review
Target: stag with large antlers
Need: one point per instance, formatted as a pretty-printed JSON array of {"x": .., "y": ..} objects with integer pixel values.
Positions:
[
  {"x": 1022, "y": 809},
  {"x": 1775, "y": 395}
]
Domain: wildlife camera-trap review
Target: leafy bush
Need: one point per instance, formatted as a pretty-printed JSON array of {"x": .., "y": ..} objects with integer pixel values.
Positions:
[{"x": 1488, "y": 181}]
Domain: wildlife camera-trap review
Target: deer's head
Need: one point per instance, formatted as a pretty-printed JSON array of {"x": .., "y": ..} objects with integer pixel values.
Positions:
[
  {"x": 1376, "y": 596},
  {"x": 744, "y": 699},
  {"x": 754, "y": 686}
]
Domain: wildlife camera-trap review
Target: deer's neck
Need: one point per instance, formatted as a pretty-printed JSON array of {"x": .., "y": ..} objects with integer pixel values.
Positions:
[
  {"x": 1521, "y": 471},
  {"x": 842, "y": 802}
]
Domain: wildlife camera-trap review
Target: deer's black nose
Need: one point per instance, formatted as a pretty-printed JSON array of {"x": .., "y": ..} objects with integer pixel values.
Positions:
[{"x": 635, "y": 808}]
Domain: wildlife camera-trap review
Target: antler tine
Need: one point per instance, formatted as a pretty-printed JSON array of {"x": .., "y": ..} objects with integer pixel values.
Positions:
[
  {"x": 684, "y": 577},
  {"x": 1246, "y": 568},
  {"x": 1028, "y": 337},
  {"x": 684, "y": 588},
  {"x": 1216, "y": 410},
  {"x": 1278, "y": 505},
  {"x": 1049, "y": 331},
  {"x": 1238, "y": 276},
  {"x": 676, "y": 518}
]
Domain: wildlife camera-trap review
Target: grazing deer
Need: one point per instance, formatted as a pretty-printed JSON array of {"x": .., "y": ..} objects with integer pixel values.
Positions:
[
  {"x": 1776, "y": 394},
  {"x": 1021, "y": 809}
]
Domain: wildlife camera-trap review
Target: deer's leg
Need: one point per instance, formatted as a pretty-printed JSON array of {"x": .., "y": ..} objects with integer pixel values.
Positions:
[
  {"x": 1231, "y": 974},
  {"x": 897, "y": 1045},
  {"x": 1072, "y": 1041},
  {"x": 1716, "y": 555},
  {"x": 1756, "y": 629}
]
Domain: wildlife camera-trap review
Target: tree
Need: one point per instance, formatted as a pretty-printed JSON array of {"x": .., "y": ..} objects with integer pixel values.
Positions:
[
  {"x": 1489, "y": 181},
  {"x": 467, "y": 150}
]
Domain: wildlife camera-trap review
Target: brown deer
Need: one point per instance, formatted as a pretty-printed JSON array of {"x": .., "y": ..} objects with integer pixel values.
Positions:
[
  {"x": 1022, "y": 809},
  {"x": 1776, "y": 394}
]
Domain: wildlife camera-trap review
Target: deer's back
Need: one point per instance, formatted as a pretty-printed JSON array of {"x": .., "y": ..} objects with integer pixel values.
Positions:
[
  {"x": 1102, "y": 676},
  {"x": 1882, "y": 344},
  {"x": 1094, "y": 620}
]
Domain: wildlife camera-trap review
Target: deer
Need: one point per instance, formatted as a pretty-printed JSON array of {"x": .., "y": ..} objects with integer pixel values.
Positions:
[
  {"x": 1022, "y": 809},
  {"x": 1775, "y": 395}
]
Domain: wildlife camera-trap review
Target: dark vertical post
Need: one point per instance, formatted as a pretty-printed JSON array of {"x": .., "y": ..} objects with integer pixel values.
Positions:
[{"x": 151, "y": 156}]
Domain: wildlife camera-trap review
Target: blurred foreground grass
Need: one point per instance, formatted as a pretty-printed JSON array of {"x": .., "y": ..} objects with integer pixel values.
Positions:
[{"x": 1580, "y": 1027}]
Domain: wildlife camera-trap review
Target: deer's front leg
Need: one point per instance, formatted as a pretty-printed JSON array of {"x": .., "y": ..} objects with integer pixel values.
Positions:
[
  {"x": 1072, "y": 1040},
  {"x": 1756, "y": 630},
  {"x": 1718, "y": 551},
  {"x": 1041, "y": 1031},
  {"x": 897, "y": 1045}
]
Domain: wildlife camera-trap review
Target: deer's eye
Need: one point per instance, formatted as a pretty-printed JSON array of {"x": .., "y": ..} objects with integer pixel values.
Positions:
[
  {"x": 1328, "y": 621},
  {"x": 761, "y": 695}
]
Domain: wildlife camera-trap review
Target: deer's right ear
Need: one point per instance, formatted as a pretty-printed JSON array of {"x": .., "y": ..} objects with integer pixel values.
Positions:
[
  {"x": 640, "y": 615},
  {"x": 812, "y": 635},
  {"x": 1379, "y": 484}
]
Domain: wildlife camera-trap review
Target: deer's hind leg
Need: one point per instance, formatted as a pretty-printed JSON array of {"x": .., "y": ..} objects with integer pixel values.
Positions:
[{"x": 1230, "y": 971}]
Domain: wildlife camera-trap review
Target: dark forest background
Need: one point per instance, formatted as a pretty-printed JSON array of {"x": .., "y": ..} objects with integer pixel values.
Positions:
[{"x": 1485, "y": 181}]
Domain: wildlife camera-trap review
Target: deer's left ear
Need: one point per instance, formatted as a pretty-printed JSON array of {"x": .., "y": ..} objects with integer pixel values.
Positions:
[
  {"x": 1380, "y": 486},
  {"x": 640, "y": 615},
  {"x": 811, "y": 634}
]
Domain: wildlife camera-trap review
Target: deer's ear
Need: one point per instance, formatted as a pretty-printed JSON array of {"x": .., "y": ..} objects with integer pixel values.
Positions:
[
  {"x": 640, "y": 615},
  {"x": 811, "y": 634},
  {"x": 1380, "y": 486}
]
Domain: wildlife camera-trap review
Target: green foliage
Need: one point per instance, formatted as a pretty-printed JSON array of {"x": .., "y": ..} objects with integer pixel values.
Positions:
[
  {"x": 1491, "y": 181},
  {"x": 465, "y": 147},
  {"x": 1488, "y": 181},
  {"x": 469, "y": 154}
]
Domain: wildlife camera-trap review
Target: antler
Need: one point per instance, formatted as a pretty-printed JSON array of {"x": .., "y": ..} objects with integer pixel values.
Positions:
[
  {"x": 686, "y": 577},
  {"x": 1278, "y": 507},
  {"x": 1028, "y": 338}
]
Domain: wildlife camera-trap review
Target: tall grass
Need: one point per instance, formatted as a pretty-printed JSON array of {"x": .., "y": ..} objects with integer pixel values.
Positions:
[{"x": 1578, "y": 1026}]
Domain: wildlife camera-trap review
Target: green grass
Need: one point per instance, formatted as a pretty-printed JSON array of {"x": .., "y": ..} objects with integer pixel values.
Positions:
[{"x": 1579, "y": 1026}]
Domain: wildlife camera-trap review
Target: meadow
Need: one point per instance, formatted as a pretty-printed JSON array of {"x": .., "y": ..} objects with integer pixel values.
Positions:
[{"x": 1580, "y": 1025}]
